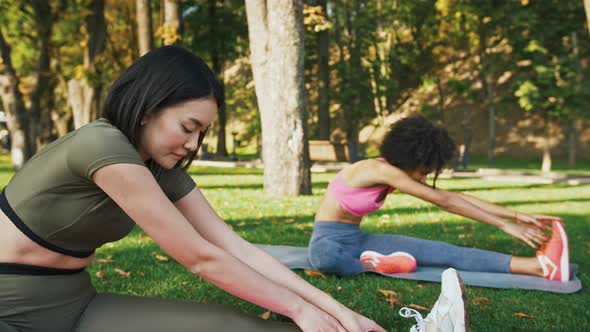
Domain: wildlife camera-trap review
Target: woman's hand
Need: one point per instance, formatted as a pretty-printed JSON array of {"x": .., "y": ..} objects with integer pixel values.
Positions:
[
  {"x": 365, "y": 324},
  {"x": 311, "y": 319},
  {"x": 528, "y": 233},
  {"x": 534, "y": 219}
]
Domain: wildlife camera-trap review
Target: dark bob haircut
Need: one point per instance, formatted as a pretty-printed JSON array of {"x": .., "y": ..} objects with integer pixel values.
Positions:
[
  {"x": 163, "y": 77},
  {"x": 414, "y": 143}
]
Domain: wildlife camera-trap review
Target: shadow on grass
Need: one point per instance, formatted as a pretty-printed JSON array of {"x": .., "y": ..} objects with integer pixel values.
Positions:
[
  {"x": 253, "y": 186},
  {"x": 196, "y": 171},
  {"x": 506, "y": 187},
  {"x": 296, "y": 231}
]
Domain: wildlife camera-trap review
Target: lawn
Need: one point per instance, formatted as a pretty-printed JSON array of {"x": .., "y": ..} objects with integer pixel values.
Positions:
[{"x": 238, "y": 197}]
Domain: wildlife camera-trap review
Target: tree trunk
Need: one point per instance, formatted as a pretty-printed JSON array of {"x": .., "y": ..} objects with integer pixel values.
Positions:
[
  {"x": 546, "y": 165},
  {"x": 572, "y": 142},
  {"x": 40, "y": 125},
  {"x": 275, "y": 30},
  {"x": 17, "y": 118},
  {"x": 467, "y": 137},
  {"x": 587, "y": 10},
  {"x": 488, "y": 89},
  {"x": 356, "y": 101},
  {"x": 491, "y": 117},
  {"x": 441, "y": 100},
  {"x": 218, "y": 69},
  {"x": 324, "y": 79},
  {"x": 573, "y": 139},
  {"x": 171, "y": 32},
  {"x": 85, "y": 94},
  {"x": 144, "y": 26}
]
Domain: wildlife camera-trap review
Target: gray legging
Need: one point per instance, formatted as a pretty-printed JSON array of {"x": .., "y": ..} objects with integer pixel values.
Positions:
[
  {"x": 335, "y": 247},
  {"x": 68, "y": 302}
]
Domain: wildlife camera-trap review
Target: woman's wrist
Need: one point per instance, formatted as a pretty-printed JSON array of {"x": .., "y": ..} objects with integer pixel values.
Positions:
[{"x": 295, "y": 308}]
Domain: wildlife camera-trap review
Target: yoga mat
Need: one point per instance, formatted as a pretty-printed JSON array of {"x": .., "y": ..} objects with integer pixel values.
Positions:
[{"x": 296, "y": 258}]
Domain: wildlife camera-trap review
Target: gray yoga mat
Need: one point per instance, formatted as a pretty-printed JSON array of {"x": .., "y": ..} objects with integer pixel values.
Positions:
[{"x": 296, "y": 258}]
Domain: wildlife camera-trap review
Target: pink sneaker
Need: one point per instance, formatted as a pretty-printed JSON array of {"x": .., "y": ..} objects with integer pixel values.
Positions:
[
  {"x": 554, "y": 255},
  {"x": 398, "y": 262}
]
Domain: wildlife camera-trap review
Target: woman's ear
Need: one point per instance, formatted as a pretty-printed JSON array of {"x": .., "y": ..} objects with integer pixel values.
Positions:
[{"x": 146, "y": 118}]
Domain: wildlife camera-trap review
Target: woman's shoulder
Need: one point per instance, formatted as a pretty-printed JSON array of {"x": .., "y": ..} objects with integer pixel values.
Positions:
[{"x": 98, "y": 127}]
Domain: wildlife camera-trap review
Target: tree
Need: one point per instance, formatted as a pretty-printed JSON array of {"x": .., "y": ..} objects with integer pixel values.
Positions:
[
  {"x": 16, "y": 112},
  {"x": 86, "y": 89},
  {"x": 317, "y": 22},
  {"x": 222, "y": 42},
  {"x": 275, "y": 32},
  {"x": 30, "y": 127},
  {"x": 144, "y": 26},
  {"x": 170, "y": 30},
  {"x": 551, "y": 85}
]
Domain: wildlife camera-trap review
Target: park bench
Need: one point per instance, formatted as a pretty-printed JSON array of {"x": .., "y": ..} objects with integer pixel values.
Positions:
[{"x": 324, "y": 150}]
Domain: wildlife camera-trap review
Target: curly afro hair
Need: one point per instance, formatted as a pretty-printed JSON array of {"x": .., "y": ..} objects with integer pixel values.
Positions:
[{"x": 414, "y": 143}]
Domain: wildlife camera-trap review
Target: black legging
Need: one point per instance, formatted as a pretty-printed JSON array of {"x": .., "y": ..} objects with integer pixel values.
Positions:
[{"x": 68, "y": 302}]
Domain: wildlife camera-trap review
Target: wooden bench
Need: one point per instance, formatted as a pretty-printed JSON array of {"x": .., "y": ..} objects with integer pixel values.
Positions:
[{"x": 324, "y": 150}]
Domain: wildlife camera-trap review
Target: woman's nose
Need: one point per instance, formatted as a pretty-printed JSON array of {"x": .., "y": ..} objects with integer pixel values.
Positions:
[{"x": 193, "y": 142}]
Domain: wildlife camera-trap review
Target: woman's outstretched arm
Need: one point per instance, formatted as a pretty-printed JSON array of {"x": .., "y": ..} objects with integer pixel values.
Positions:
[
  {"x": 207, "y": 222},
  {"x": 136, "y": 191},
  {"x": 394, "y": 177},
  {"x": 500, "y": 211}
]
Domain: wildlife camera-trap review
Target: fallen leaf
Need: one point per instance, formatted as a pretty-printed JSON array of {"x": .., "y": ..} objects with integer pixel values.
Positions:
[
  {"x": 265, "y": 315},
  {"x": 123, "y": 273},
  {"x": 242, "y": 224},
  {"x": 107, "y": 260},
  {"x": 101, "y": 275},
  {"x": 522, "y": 315},
  {"x": 418, "y": 307},
  {"x": 480, "y": 300},
  {"x": 390, "y": 297},
  {"x": 420, "y": 286},
  {"x": 159, "y": 257},
  {"x": 314, "y": 274},
  {"x": 142, "y": 274},
  {"x": 289, "y": 221},
  {"x": 144, "y": 238}
]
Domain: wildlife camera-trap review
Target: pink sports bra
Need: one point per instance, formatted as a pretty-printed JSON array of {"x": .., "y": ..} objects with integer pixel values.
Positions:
[{"x": 356, "y": 201}]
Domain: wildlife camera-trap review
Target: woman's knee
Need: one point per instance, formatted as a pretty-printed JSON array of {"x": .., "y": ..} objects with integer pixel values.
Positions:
[{"x": 333, "y": 260}]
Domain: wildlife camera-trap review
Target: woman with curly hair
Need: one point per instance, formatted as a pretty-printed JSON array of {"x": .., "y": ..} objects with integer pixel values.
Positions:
[{"x": 412, "y": 149}]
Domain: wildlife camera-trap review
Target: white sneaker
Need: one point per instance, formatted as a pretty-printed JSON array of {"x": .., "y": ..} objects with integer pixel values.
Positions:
[{"x": 449, "y": 313}]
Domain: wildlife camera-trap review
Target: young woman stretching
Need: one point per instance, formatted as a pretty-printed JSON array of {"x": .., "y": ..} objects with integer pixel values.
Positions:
[
  {"x": 95, "y": 184},
  {"x": 411, "y": 150}
]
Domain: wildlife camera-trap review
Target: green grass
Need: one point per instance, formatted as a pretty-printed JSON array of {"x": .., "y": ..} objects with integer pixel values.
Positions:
[{"x": 238, "y": 197}]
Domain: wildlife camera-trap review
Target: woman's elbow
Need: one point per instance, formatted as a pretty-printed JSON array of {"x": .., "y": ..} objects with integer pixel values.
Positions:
[{"x": 203, "y": 262}]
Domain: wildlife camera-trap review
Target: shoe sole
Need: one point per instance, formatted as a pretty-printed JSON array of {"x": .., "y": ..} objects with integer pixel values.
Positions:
[
  {"x": 463, "y": 298},
  {"x": 564, "y": 264},
  {"x": 368, "y": 263},
  {"x": 376, "y": 254}
]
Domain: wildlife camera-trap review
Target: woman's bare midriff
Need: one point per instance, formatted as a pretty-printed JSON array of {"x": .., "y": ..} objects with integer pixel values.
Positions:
[
  {"x": 16, "y": 247},
  {"x": 330, "y": 210}
]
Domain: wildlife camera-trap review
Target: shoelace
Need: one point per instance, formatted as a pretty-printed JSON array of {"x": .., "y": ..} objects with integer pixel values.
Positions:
[{"x": 406, "y": 312}]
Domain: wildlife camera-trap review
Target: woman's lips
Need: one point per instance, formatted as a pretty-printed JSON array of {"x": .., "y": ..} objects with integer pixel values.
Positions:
[{"x": 179, "y": 156}]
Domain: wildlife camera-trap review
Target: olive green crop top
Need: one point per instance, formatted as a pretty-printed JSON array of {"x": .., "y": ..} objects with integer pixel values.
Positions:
[{"x": 54, "y": 201}]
